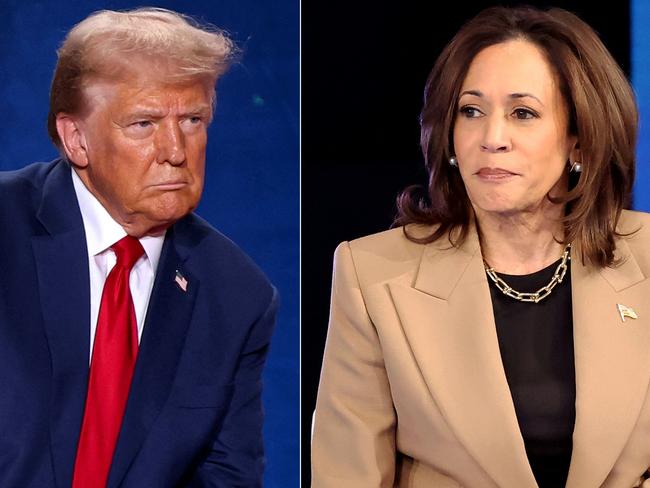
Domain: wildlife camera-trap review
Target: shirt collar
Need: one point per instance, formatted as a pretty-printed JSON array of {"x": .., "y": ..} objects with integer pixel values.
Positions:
[{"x": 102, "y": 231}]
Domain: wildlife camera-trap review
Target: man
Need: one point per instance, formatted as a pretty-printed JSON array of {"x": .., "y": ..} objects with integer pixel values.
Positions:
[{"x": 132, "y": 334}]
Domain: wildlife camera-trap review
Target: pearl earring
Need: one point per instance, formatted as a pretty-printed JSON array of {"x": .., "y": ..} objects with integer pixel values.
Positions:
[
  {"x": 576, "y": 167},
  {"x": 453, "y": 161}
]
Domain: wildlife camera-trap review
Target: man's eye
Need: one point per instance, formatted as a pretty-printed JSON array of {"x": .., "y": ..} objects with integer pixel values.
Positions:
[
  {"x": 524, "y": 114},
  {"x": 142, "y": 123},
  {"x": 470, "y": 112},
  {"x": 192, "y": 123}
]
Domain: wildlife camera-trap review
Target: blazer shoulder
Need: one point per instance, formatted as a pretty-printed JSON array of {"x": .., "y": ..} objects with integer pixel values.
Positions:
[
  {"x": 385, "y": 255},
  {"x": 214, "y": 256},
  {"x": 634, "y": 228},
  {"x": 21, "y": 195},
  {"x": 25, "y": 181},
  {"x": 632, "y": 221},
  {"x": 393, "y": 242}
]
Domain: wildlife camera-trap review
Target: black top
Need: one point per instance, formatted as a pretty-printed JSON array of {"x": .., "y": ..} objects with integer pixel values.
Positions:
[{"x": 536, "y": 343}]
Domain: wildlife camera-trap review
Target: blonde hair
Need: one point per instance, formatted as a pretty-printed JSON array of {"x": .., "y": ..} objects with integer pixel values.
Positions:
[{"x": 105, "y": 45}]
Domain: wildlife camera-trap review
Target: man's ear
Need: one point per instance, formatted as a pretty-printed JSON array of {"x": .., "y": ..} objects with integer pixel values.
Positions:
[{"x": 72, "y": 138}]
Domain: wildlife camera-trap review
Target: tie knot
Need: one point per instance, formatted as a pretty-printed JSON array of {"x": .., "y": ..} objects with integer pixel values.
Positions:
[{"x": 128, "y": 250}]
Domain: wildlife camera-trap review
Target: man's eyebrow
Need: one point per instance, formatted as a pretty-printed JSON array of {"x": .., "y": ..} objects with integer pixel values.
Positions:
[
  {"x": 198, "y": 109},
  {"x": 145, "y": 112},
  {"x": 478, "y": 93},
  {"x": 157, "y": 113}
]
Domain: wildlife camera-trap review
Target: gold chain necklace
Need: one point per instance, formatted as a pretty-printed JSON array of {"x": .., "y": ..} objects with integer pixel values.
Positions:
[{"x": 540, "y": 294}]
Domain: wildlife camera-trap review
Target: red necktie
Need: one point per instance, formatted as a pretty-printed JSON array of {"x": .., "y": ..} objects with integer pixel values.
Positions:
[{"x": 114, "y": 353}]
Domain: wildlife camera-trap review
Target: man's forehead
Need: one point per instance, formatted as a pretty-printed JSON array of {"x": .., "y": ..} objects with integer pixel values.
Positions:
[{"x": 133, "y": 92}]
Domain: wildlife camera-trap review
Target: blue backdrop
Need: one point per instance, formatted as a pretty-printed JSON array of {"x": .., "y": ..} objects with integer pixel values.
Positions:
[
  {"x": 252, "y": 172},
  {"x": 640, "y": 59}
]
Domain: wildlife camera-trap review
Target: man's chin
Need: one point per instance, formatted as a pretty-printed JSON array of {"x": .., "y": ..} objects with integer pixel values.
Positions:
[{"x": 153, "y": 225}]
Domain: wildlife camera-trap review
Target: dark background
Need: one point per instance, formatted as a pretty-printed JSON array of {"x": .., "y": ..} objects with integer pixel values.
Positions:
[{"x": 364, "y": 66}]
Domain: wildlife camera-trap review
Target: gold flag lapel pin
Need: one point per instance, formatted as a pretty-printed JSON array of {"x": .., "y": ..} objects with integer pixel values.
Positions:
[{"x": 626, "y": 312}]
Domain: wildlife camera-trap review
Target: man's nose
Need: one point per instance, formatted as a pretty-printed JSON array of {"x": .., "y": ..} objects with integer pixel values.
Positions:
[
  {"x": 496, "y": 136},
  {"x": 171, "y": 144}
]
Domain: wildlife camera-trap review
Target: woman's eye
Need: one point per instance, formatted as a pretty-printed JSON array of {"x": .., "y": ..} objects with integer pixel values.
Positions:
[
  {"x": 470, "y": 112},
  {"x": 524, "y": 114}
]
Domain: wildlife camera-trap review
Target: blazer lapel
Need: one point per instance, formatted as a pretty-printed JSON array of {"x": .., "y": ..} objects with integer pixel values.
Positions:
[
  {"x": 168, "y": 316},
  {"x": 448, "y": 320},
  {"x": 60, "y": 255},
  {"x": 612, "y": 363}
]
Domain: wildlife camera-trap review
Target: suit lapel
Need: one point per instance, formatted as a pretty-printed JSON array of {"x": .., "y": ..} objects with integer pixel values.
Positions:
[
  {"x": 168, "y": 316},
  {"x": 448, "y": 320},
  {"x": 60, "y": 254},
  {"x": 64, "y": 287},
  {"x": 612, "y": 363}
]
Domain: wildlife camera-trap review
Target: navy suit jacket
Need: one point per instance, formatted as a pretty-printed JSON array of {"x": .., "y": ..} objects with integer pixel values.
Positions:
[{"x": 193, "y": 416}]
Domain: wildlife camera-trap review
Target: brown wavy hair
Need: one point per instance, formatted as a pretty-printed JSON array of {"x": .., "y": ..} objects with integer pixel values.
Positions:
[{"x": 602, "y": 114}]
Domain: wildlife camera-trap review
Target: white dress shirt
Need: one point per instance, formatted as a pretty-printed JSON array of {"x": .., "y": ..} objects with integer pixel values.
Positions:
[{"x": 101, "y": 233}]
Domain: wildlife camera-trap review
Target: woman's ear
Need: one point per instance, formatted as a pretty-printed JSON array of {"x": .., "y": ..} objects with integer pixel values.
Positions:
[{"x": 575, "y": 154}]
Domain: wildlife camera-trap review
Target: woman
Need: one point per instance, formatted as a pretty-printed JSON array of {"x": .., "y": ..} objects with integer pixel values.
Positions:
[{"x": 500, "y": 337}]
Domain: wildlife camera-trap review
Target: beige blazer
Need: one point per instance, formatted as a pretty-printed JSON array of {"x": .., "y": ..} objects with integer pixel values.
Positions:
[{"x": 413, "y": 391}]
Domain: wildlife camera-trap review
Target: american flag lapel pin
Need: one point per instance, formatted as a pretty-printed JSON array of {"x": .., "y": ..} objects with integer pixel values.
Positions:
[
  {"x": 626, "y": 312},
  {"x": 181, "y": 281}
]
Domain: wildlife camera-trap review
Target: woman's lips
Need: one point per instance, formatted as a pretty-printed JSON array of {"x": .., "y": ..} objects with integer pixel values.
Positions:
[{"x": 495, "y": 174}]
